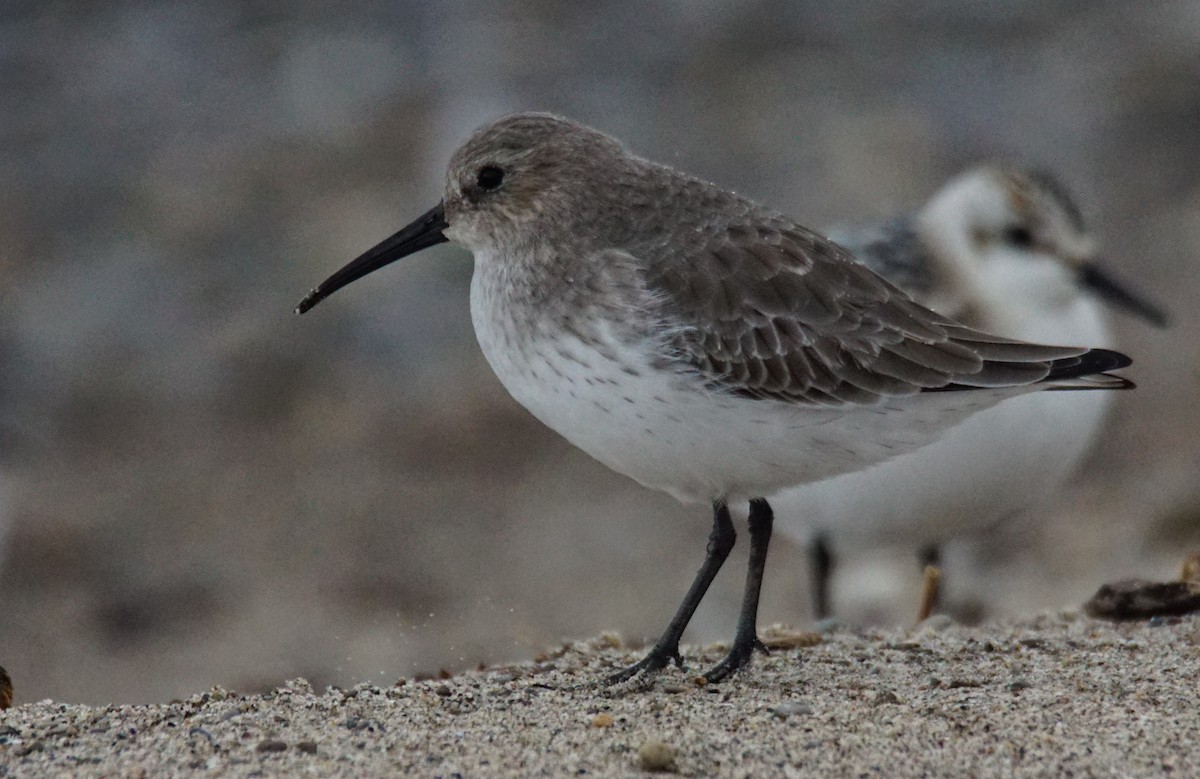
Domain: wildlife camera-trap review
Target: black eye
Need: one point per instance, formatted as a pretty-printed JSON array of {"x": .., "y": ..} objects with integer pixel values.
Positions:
[
  {"x": 490, "y": 177},
  {"x": 1019, "y": 236}
]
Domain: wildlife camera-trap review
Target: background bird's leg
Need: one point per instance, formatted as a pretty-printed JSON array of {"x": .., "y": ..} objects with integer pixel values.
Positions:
[
  {"x": 930, "y": 557},
  {"x": 745, "y": 640},
  {"x": 820, "y": 569},
  {"x": 720, "y": 542}
]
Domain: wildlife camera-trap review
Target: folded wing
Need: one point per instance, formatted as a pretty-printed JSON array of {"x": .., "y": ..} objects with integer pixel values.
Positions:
[{"x": 768, "y": 309}]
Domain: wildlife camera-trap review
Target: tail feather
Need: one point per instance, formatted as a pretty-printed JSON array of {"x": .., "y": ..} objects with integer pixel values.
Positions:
[
  {"x": 1089, "y": 370},
  {"x": 1097, "y": 381},
  {"x": 1086, "y": 371},
  {"x": 1091, "y": 361}
]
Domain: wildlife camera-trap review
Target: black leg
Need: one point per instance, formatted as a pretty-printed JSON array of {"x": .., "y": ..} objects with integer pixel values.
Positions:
[
  {"x": 745, "y": 640},
  {"x": 820, "y": 564},
  {"x": 720, "y": 542}
]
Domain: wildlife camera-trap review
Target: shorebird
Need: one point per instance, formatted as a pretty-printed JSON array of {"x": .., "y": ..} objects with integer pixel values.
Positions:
[
  {"x": 1003, "y": 250},
  {"x": 699, "y": 342}
]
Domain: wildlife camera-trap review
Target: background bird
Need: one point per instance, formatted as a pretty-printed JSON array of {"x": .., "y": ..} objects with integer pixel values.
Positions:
[{"x": 1007, "y": 251}]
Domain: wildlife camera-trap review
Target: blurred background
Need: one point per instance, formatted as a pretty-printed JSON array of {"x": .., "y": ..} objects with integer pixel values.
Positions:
[{"x": 199, "y": 488}]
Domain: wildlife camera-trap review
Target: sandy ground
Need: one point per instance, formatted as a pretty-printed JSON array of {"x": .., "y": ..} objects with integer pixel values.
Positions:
[{"x": 1057, "y": 695}]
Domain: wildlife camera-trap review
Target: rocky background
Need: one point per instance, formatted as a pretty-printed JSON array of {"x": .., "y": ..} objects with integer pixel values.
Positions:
[{"x": 200, "y": 488}]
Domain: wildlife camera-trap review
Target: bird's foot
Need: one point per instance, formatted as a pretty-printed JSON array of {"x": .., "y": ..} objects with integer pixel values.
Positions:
[
  {"x": 652, "y": 663},
  {"x": 739, "y": 657}
]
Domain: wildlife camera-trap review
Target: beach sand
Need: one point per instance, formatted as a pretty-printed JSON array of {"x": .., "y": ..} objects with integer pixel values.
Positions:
[{"x": 1058, "y": 695}]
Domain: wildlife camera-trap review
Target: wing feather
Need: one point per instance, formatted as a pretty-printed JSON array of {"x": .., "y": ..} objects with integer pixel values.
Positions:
[{"x": 772, "y": 310}]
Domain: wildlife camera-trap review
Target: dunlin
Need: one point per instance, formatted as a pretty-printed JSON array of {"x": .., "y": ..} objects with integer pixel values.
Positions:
[
  {"x": 696, "y": 341},
  {"x": 1006, "y": 251}
]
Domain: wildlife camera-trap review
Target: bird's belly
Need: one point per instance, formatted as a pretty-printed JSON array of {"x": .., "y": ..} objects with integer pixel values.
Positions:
[{"x": 668, "y": 431}]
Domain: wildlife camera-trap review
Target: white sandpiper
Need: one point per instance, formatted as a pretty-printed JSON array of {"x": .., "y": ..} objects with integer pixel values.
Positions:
[
  {"x": 696, "y": 341},
  {"x": 1003, "y": 250}
]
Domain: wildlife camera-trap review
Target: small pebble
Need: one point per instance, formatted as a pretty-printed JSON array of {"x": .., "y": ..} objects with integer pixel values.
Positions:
[
  {"x": 271, "y": 745},
  {"x": 791, "y": 708},
  {"x": 885, "y": 696},
  {"x": 657, "y": 757},
  {"x": 963, "y": 683},
  {"x": 607, "y": 641},
  {"x": 307, "y": 747},
  {"x": 828, "y": 625},
  {"x": 1161, "y": 621},
  {"x": 299, "y": 685},
  {"x": 442, "y": 690},
  {"x": 781, "y": 638},
  {"x": 602, "y": 720},
  {"x": 938, "y": 622},
  {"x": 1018, "y": 684}
]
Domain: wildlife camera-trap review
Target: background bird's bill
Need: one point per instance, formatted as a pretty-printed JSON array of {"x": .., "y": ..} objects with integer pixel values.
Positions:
[{"x": 1097, "y": 280}]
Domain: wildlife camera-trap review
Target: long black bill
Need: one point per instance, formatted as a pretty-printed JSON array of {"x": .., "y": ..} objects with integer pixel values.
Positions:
[
  {"x": 423, "y": 233},
  {"x": 1095, "y": 278}
]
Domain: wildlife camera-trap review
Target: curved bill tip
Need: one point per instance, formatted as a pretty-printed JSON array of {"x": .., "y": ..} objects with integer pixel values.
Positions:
[
  {"x": 425, "y": 231},
  {"x": 313, "y": 297}
]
